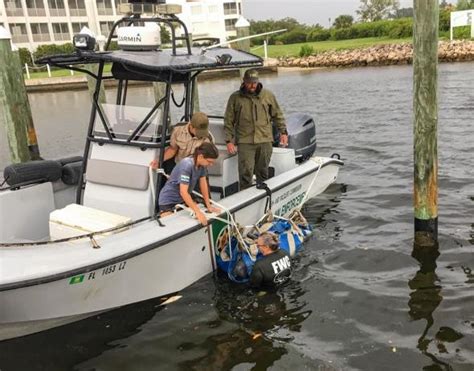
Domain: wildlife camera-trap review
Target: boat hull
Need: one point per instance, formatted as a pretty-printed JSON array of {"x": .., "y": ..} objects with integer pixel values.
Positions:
[{"x": 159, "y": 267}]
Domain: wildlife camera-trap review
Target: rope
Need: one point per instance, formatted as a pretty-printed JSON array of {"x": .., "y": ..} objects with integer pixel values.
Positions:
[
  {"x": 87, "y": 235},
  {"x": 306, "y": 196}
]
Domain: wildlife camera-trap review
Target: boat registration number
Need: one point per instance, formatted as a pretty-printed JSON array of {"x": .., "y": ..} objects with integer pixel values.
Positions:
[{"x": 110, "y": 269}]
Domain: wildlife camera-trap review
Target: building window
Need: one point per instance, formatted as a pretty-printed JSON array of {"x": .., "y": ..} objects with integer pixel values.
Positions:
[
  {"x": 35, "y": 8},
  {"x": 56, "y": 8},
  {"x": 18, "y": 31},
  {"x": 105, "y": 27},
  {"x": 13, "y": 8},
  {"x": 230, "y": 24},
  {"x": 77, "y": 8},
  {"x": 104, "y": 7},
  {"x": 213, "y": 9},
  {"x": 240, "y": 8},
  {"x": 77, "y": 27},
  {"x": 61, "y": 32},
  {"x": 40, "y": 32},
  {"x": 230, "y": 8}
]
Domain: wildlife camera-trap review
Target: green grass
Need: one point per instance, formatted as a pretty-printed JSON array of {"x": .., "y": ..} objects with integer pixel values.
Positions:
[
  {"x": 59, "y": 73},
  {"x": 275, "y": 51}
]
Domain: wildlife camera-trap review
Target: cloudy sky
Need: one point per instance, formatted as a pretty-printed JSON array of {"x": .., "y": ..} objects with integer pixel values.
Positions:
[{"x": 305, "y": 11}]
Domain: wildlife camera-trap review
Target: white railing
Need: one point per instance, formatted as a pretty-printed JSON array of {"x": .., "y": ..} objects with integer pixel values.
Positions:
[
  {"x": 39, "y": 37},
  {"x": 77, "y": 12},
  {"x": 36, "y": 12},
  {"x": 20, "y": 39},
  {"x": 38, "y": 69}
]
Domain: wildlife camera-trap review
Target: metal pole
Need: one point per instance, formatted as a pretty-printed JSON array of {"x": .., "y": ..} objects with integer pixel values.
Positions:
[
  {"x": 425, "y": 106},
  {"x": 90, "y": 130},
  {"x": 242, "y": 27},
  {"x": 265, "y": 50},
  {"x": 91, "y": 83},
  {"x": 195, "y": 88},
  {"x": 15, "y": 111}
]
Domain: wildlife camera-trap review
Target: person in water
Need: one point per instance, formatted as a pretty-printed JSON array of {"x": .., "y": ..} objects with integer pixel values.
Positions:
[
  {"x": 275, "y": 266},
  {"x": 189, "y": 172}
]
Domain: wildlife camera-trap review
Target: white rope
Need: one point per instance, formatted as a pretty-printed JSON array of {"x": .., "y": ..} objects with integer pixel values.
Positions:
[{"x": 306, "y": 196}]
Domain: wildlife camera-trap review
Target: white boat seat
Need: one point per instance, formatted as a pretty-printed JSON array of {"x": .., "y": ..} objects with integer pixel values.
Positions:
[
  {"x": 76, "y": 220},
  {"x": 117, "y": 174},
  {"x": 216, "y": 127},
  {"x": 218, "y": 167},
  {"x": 117, "y": 180}
]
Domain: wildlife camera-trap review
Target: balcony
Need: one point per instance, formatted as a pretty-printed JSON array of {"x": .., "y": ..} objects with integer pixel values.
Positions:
[
  {"x": 62, "y": 36},
  {"x": 39, "y": 37},
  {"x": 18, "y": 39},
  {"x": 57, "y": 12},
  {"x": 231, "y": 11},
  {"x": 36, "y": 12},
  {"x": 15, "y": 12},
  {"x": 105, "y": 11},
  {"x": 77, "y": 12}
]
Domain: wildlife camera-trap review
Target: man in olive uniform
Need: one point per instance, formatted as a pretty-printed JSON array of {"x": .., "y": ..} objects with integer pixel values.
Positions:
[{"x": 248, "y": 125}]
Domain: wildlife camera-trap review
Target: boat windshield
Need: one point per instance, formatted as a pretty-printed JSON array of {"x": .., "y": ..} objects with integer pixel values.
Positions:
[{"x": 122, "y": 122}]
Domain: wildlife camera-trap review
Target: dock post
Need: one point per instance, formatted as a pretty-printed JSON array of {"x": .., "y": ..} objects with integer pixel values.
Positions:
[
  {"x": 242, "y": 27},
  {"x": 15, "y": 111},
  {"x": 425, "y": 107}
]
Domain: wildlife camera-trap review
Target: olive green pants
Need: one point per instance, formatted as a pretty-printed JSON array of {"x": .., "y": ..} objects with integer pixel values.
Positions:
[{"x": 253, "y": 158}]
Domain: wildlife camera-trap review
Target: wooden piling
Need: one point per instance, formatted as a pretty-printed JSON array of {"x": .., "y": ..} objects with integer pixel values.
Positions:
[
  {"x": 425, "y": 106},
  {"x": 15, "y": 112}
]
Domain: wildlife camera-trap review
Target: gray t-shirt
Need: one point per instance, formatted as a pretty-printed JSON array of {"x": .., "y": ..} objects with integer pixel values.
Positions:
[{"x": 183, "y": 173}]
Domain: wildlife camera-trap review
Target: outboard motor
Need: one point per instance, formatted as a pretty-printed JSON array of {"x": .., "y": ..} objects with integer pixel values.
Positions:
[{"x": 301, "y": 135}]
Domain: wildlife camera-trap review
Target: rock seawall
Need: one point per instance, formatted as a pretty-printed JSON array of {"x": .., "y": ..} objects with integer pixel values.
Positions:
[{"x": 380, "y": 55}]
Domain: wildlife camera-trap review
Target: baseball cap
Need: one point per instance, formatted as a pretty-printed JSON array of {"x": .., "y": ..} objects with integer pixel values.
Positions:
[
  {"x": 251, "y": 75},
  {"x": 200, "y": 122}
]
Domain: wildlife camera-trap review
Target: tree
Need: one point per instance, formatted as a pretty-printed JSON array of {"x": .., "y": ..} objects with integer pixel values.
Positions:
[
  {"x": 465, "y": 4},
  {"x": 375, "y": 10},
  {"x": 443, "y": 4},
  {"x": 343, "y": 21}
]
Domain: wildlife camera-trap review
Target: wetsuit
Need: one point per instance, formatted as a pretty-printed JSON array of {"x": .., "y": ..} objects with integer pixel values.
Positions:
[{"x": 271, "y": 270}]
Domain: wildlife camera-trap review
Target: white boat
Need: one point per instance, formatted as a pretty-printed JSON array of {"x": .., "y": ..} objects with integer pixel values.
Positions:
[{"x": 90, "y": 241}]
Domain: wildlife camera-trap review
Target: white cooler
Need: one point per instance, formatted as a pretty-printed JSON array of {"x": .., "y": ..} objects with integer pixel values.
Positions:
[{"x": 75, "y": 220}]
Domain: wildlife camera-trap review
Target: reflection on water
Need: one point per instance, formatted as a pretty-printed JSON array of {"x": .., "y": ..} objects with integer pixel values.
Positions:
[
  {"x": 262, "y": 320},
  {"x": 64, "y": 347},
  {"x": 346, "y": 307}
]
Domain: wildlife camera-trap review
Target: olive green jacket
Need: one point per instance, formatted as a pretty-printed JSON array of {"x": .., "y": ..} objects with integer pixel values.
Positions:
[{"x": 248, "y": 118}]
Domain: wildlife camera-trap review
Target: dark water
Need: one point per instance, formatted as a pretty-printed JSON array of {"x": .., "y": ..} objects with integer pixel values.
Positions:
[{"x": 360, "y": 299}]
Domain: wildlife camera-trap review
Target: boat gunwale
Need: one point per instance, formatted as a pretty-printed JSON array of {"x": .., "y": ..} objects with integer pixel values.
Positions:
[{"x": 164, "y": 241}]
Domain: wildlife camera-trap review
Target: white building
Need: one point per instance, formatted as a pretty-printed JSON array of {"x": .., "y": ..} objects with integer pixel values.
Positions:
[{"x": 37, "y": 22}]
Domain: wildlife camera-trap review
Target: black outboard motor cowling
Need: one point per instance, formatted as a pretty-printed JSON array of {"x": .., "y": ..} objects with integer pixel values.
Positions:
[{"x": 301, "y": 135}]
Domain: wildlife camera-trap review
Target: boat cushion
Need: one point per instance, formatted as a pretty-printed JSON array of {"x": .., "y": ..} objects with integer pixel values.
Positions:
[
  {"x": 218, "y": 167},
  {"x": 75, "y": 220},
  {"x": 117, "y": 174}
]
